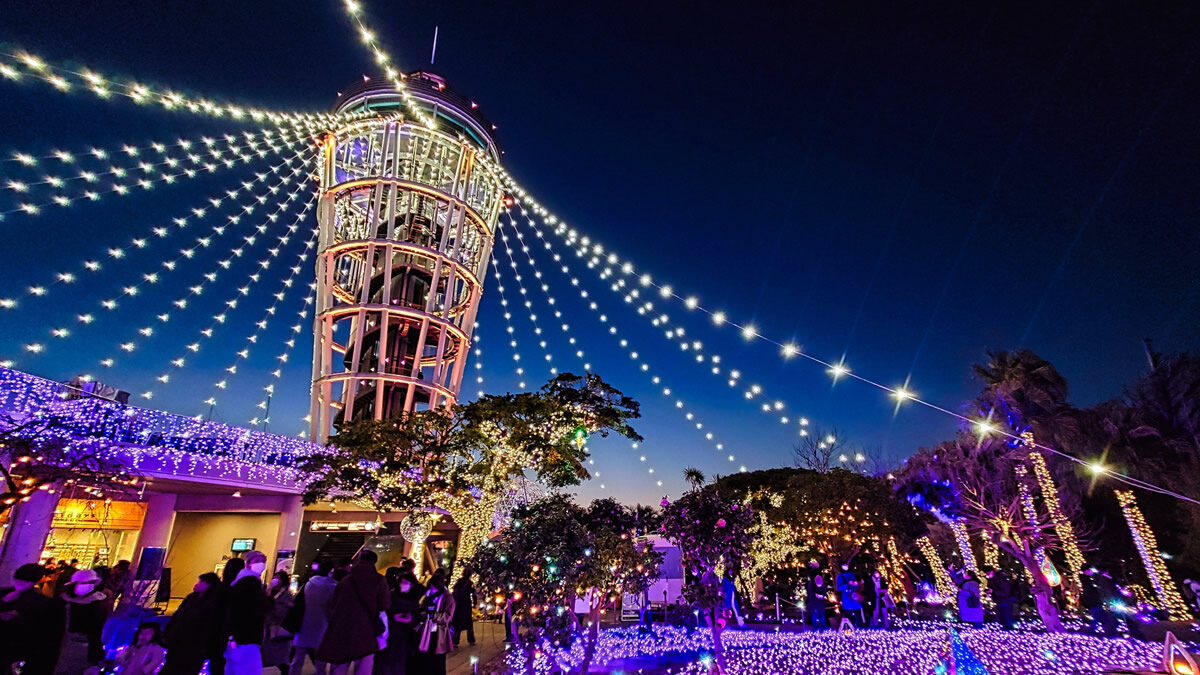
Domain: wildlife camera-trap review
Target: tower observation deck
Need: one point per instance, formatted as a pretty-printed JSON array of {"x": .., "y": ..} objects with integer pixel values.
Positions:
[{"x": 407, "y": 216}]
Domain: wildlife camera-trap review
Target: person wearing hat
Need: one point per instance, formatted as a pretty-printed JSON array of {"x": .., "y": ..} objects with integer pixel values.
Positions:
[
  {"x": 247, "y": 617},
  {"x": 31, "y": 624},
  {"x": 87, "y": 610}
]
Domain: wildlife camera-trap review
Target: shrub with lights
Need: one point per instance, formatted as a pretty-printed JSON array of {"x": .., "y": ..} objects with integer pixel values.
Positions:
[
  {"x": 832, "y": 516},
  {"x": 554, "y": 552},
  {"x": 713, "y": 531},
  {"x": 622, "y": 563}
]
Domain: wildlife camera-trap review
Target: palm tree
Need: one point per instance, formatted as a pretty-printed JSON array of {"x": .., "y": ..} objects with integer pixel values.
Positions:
[
  {"x": 1027, "y": 393},
  {"x": 694, "y": 476}
]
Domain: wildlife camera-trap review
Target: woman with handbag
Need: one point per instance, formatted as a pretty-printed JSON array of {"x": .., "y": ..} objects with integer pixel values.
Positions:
[{"x": 436, "y": 640}]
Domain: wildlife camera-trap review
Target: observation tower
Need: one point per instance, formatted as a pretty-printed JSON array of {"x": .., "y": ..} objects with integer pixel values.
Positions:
[{"x": 406, "y": 216}]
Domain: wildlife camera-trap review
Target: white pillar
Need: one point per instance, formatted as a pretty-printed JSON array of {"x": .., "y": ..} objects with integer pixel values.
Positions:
[
  {"x": 291, "y": 521},
  {"x": 28, "y": 526},
  {"x": 156, "y": 524}
]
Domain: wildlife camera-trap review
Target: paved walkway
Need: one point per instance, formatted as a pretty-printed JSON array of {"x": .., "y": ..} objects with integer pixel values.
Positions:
[{"x": 489, "y": 642}]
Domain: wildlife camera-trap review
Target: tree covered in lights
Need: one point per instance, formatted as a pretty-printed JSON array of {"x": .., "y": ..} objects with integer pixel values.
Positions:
[
  {"x": 464, "y": 461},
  {"x": 397, "y": 464},
  {"x": 622, "y": 564},
  {"x": 832, "y": 516},
  {"x": 543, "y": 432},
  {"x": 983, "y": 484},
  {"x": 554, "y": 552},
  {"x": 714, "y": 532}
]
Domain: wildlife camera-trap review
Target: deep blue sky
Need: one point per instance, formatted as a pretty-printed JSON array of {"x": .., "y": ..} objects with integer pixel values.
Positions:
[{"x": 908, "y": 187}]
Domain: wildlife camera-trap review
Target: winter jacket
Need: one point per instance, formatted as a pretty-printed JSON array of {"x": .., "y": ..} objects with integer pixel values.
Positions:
[
  {"x": 34, "y": 634},
  {"x": 464, "y": 602},
  {"x": 247, "y": 610},
  {"x": 970, "y": 608},
  {"x": 354, "y": 615},
  {"x": 318, "y": 593}
]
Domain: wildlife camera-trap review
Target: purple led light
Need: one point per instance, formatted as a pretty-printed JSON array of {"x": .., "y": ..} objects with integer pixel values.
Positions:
[{"x": 153, "y": 441}]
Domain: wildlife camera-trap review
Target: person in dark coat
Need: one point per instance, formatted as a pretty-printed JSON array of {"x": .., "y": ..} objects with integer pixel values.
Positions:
[
  {"x": 313, "y": 603},
  {"x": 31, "y": 624},
  {"x": 87, "y": 611},
  {"x": 216, "y": 658},
  {"x": 816, "y": 594},
  {"x": 248, "y": 605},
  {"x": 1004, "y": 594},
  {"x": 355, "y": 621},
  {"x": 464, "y": 603},
  {"x": 404, "y": 618},
  {"x": 195, "y": 629}
]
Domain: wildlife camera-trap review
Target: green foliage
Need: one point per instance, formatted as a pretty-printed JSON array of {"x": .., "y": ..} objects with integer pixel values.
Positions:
[
  {"x": 392, "y": 465},
  {"x": 806, "y": 514},
  {"x": 534, "y": 565},
  {"x": 555, "y": 549},
  {"x": 712, "y": 530},
  {"x": 540, "y": 430},
  {"x": 432, "y": 456}
]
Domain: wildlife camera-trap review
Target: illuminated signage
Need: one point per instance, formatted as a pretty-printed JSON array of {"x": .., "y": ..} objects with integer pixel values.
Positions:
[{"x": 351, "y": 526}]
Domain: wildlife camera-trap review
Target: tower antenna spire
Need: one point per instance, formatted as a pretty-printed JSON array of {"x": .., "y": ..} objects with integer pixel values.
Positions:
[{"x": 433, "y": 54}]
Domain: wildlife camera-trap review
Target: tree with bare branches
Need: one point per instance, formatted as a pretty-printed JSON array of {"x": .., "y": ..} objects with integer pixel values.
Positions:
[{"x": 981, "y": 482}]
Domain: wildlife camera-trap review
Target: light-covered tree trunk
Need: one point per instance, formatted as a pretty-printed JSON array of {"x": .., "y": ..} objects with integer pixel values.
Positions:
[{"x": 474, "y": 519}]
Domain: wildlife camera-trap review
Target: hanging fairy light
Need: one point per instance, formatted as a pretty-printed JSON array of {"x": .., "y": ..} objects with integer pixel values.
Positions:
[
  {"x": 190, "y": 146},
  {"x": 19, "y": 66},
  {"x": 120, "y": 254},
  {"x": 252, "y": 279},
  {"x": 637, "y": 358},
  {"x": 837, "y": 369},
  {"x": 717, "y": 365},
  {"x": 205, "y": 155},
  {"x": 901, "y": 393},
  {"x": 237, "y": 251},
  {"x": 552, "y": 305},
  {"x": 524, "y": 299},
  {"x": 368, "y": 37},
  {"x": 144, "y": 178},
  {"x": 1147, "y": 547},
  {"x": 261, "y": 325},
  {"x": 284, "y": 356},
  {"x": 518, "y": 368}
]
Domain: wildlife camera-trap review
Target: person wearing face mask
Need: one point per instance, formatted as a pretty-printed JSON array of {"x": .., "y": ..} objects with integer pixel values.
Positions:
[
  {"x": 194, "y": 631},
  {"x": 278, "y": 643},
  {"x": 247, "y": 618},
  {"x": 31, "y": 624},
  {"x": 404, "y": 615},
  {"x": 87, "y": 610}
]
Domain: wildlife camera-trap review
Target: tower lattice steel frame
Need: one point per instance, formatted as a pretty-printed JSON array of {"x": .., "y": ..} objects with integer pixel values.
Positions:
[{"x": 407, "y": 216}]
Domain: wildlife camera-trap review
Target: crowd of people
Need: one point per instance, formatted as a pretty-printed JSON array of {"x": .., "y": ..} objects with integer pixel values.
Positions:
[
  {"x": 342, "y": 618},
  {"x": 861, "y": 596}
]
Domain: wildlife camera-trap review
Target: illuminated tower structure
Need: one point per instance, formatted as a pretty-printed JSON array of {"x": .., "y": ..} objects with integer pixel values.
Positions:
[{"x": 407, "y": 216}]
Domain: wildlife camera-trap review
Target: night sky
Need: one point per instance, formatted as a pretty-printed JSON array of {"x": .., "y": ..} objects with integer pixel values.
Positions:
[{"x": 904, "y": 187}]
